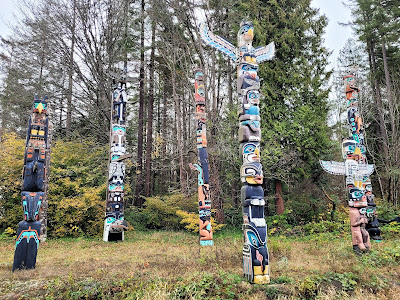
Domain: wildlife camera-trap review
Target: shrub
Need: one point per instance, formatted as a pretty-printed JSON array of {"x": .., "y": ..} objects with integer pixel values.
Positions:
[
  {"x": 161, "y": 212},
  {"x": 77, "y": 189}
]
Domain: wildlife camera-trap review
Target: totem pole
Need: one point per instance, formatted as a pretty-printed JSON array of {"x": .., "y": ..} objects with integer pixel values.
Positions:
[
  {"x": 114, "y": 223},
  {"x": 34, "y": 186},
  {"x": 206, "y": 235},
  {"x": 247, "y": 58},
  {"x": 355, "y": 167}
]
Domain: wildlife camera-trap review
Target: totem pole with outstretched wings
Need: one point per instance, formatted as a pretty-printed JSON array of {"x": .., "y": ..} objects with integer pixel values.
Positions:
[
  {"x": 247, "y": 58},
  {"x": 355, "y": 167}
]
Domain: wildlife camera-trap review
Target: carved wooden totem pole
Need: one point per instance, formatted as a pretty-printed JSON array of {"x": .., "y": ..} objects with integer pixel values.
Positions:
[
  {"x": 247, "y": 58},
  {"x": 206, "y": 235},
  {"x": 34, "y": 186},
  {"x": 114, "y": 223},
  {"x": 357, "y": 171}
]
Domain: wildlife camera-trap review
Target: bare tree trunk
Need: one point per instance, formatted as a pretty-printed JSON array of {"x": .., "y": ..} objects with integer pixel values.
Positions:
[
  {"x": 149, "y": 144},
  {"x": 178, "y": 112},
  {"x": 139, "y": 167},
  {"x": 279, "y": 204},
  {"x": 389, "y": 90},
  {"x": 164, "y": 133},
  {"x": 70, "y": 74}
]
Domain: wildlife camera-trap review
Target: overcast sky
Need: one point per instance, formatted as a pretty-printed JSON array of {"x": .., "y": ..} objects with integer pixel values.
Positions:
[{"x": 335, "y": 35}]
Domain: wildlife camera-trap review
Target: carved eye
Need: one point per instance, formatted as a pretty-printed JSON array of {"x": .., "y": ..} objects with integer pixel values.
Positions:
[
  {"x": 249, "y": 149},
  {"x": 253, "y": 239},
  {"x": 250, "y": 171},
  {"x": 201, "y": 92}
]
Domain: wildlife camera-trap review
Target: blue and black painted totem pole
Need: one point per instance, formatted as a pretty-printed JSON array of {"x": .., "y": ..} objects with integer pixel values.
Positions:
[
  {"x": 247, "y": 58},
  {"x": 357, "y": 171},
  {"x": 205, "y": 229},
  {"x": 34, "y": 185},
  {"x": 114, "y": 223}
]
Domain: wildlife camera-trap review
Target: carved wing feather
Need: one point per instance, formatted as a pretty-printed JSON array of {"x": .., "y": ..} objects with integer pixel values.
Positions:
[
  {"x": 366, "y": 170},
  {"x": 217, "y": 42},
  {"x": 333, "y": 167},
  {"x": 264, "y": 53}
]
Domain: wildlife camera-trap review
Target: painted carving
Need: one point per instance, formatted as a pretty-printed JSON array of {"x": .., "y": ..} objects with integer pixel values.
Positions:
[
  {"x": 357, "y": 171},
  {"x": 114, "y": 222},
  {"x": 247, "y": 58},
  {"x": 203, "y": 181},
  {"x": 34, "y": 187}
]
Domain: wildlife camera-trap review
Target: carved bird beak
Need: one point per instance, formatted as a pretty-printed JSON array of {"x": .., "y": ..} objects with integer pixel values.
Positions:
[
  {"x": 40, "y": 108},
  {"x": 251, "y": 33}
]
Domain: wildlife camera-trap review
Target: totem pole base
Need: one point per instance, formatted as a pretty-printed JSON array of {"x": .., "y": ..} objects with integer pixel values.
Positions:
[
  {"x": 113, "y": 231},
  {"x": 207, "y": 243},
  {"x": 27, "y": 245}
]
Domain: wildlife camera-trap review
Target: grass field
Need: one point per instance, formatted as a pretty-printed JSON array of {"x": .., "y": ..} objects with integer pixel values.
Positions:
[{"x": 170, "y": 265}]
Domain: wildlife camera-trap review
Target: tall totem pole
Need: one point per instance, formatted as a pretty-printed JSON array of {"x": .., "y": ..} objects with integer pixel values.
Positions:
[
  {"x": 355, "y": 167},
  {"x": 34, "y": 186},
  {"x": 205, "y": 229},
  {"x": 114, "y": 223},
  {"x": 247, "y": 58}
]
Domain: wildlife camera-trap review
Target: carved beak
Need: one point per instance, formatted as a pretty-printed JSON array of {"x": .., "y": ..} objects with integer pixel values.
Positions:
[{"x": 40, "y": 108}]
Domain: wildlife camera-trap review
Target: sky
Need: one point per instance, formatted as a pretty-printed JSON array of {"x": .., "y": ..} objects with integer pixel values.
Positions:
[
  {"x": 335, "y": 35},
  {"x": 8, "y": 7}
]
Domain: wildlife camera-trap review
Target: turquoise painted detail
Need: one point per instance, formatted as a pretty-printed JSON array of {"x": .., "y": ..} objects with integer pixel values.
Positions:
[
  {"x": 253, "y": 239},
  {"x": 115, "y": 128},
  {"x": 207, "y": 243},
  {"x": 114, "y": 186},
  {"x": 110, "y": 220},
  {"x": 208, "y": 227},
  {"x": 38, "y": 207},
  {"x": 25, "y": 205},
  {"x": 28, "y": 235},
  {"x": 200, "y": 175}
]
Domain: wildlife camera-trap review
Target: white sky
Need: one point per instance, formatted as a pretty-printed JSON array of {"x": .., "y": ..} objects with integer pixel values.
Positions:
[
  {"x": 335, "y": 35},
  {"x": 8, "y": 7}
]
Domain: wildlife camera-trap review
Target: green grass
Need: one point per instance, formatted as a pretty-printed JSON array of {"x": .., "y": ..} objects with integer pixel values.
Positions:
[{"x": 170, "y": 265}]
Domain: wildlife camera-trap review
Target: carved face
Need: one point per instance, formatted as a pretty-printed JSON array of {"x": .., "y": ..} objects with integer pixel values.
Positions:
[
  {"x": 248, "y": 69},
  {"x": 116, "y": 197},
  {"x": 247, "y": 83},
  {"x": 252, "y": 98},
  {"x": 252, "y": 173},
  {"x": 199, "y": 85},
  {"x": 246, "y": 33},
  {"x": 356, "y": 194},
  {"x": 350, "y": 82},
  {"x": 250, "y": 152},
  {"x": 116, "y": 173},
  {"x": 348, "y": 147},
  {"x": 40, "y": 106},
  {"x": 31, "y": 203}
]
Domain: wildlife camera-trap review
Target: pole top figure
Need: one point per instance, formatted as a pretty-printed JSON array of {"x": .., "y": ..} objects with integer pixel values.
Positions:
[
  {"x": 246, "y": 33},
  {"x": 40, "y": 105}
]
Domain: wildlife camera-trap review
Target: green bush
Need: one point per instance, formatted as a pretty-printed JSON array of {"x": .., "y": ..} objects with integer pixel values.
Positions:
[{"x": 161, "y": 212}]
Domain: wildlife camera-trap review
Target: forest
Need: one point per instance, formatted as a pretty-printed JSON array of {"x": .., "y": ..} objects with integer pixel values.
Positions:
[{"x": 69, "y": 51}]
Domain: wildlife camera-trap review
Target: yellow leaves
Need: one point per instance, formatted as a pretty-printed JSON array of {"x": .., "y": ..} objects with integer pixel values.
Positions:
[
  {"x": 12, "y": 159},
  {"x": 192, "y": 221}
]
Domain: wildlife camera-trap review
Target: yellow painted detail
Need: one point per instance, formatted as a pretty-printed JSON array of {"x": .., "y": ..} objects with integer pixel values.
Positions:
[
  {"x": 251, "y": 32},
  {"x": 40, "y": 108},
  {"x": 250, "y": 180},
  {"x": 261, "y": 279},
  {"x": 266, "y": 270},
  {"x": 257, "y": 270}
]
